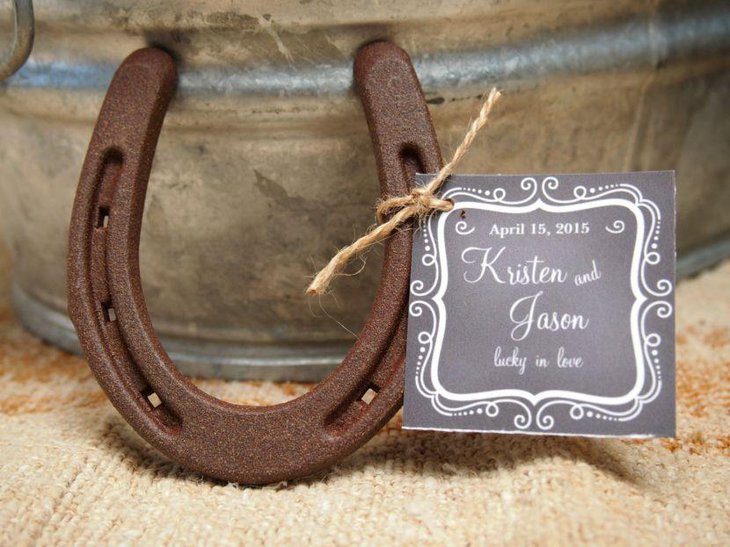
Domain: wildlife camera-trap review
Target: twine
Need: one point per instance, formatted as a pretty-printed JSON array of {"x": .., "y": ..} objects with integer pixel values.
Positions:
[{"x": 421, "y": 202}]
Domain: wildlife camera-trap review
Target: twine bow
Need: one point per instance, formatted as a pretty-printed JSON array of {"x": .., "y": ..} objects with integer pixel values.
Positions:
[{"x": 394, "y": 211}]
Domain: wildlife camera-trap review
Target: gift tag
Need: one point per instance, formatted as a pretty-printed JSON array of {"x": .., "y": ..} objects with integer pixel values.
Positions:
[{"x": 545, "y": 304}]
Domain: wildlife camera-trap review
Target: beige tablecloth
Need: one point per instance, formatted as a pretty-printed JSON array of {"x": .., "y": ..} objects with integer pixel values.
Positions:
[{"x": 74, "y": 472}]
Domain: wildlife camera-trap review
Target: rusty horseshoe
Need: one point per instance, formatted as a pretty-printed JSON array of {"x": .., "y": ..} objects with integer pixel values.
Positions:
[{"x": 238, "y": 443}]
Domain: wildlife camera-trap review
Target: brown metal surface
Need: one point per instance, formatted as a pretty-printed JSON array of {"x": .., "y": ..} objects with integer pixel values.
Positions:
[{"x": 246, "y": 444}]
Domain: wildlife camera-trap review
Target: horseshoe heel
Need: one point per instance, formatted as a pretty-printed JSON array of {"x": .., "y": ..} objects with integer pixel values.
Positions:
[{"x": 245, "y": 444}]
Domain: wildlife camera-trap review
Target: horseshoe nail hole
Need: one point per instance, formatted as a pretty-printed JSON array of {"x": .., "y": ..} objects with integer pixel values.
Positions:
[
  {"x": 462, "y": 214},
  {"x": 350, "y": 409},
  {"x": 102, "y": 220},
  {"x": 368, "y": 396},
  {"x": 109, "y": 314},
  {"x": 154, "y": 399},
  {"x": 161, "y": 412}
]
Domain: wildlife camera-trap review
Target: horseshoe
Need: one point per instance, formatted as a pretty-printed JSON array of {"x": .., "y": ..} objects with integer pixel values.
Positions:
[{"x": 237, "y": 443}]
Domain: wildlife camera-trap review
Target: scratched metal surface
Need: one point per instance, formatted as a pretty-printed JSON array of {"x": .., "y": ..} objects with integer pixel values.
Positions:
[{"x": 264, "y": 166}]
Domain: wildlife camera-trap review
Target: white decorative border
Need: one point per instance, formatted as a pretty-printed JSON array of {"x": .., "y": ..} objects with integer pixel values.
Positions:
[{"x": 528, "y": 407}]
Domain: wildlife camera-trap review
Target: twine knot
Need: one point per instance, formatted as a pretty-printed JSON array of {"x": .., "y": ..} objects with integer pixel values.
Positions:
[
  {"x": 421, "y": 200},
  {"x": 394, "y": 211}
]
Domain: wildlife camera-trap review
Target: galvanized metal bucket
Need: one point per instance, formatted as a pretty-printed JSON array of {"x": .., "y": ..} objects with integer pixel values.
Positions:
[{"x": 264, "y": 167}]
